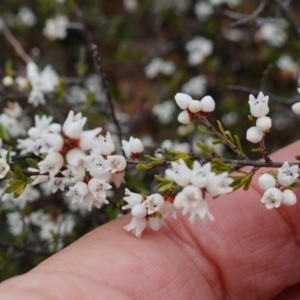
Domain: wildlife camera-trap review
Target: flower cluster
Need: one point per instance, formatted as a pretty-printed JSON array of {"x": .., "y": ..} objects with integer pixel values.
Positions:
[
  {"x": 259, "y": 108},
  {"x": 278, "y": 191},
  {"x": 157, "y": 65},
  {"x": 87, "y": 175},
  {"x": 191, "y": 107},
  {"x": 196, "y": 183}
]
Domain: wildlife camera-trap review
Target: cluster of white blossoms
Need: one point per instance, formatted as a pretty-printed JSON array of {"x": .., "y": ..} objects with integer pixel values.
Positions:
[
  {"x": 56, "y": 28},
  {"x": 278, "y": 191},
  {"x": 198, "y": 49},
  {"x": 13, "y": 120},
  {"x": 159, "y": 66},
  {"x": 196, "y": 86},
  {"x": 41, "y": 83},
  {"x": 88, "y": 175},
  {"x": 52, "y": 231},
  {"x": 259, "y": 108},
  {"x": 197, "y": 183},
  {"x": 273, "y": 33},
  {"x": 191, "y": 107}
]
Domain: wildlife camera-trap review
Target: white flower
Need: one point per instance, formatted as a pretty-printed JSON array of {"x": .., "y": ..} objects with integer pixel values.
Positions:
[
  {"x": 287, "y": 175},
  {"x": 196, "y": 86},
  {"x": 198, "y": 48},
  {"x": 116, "y": 163},
  {"x": 199, "y": 175},
  {"x": 289, "y": 198},
  {"x": 264, "y": 123},
  {"x": 16, "y": 223},
  {"x": 74, "y": 174},
  {"x": 164, "y": 111},
  {"x": 208, "y": 104},
  {"x": 132, "y": 199},
  {"x": 188, "y": 198},
  {"x": 184, "y": 117},
  {"x": 139, "y": 211},
  {"x": 158, "y": 65},
  {"x": 154, "y": 222},
  {"x": 73, "y": 125},
  {"x": 254, "y": 134},
  {"x": 8, "y": 81},
  {"x": 76, "y": 157},
  {"x": 99, "y": 168},
  {"x": 136, "y": 226},
  {"x": 106, "y": 144},
  {"x": 26, "y": 16},
  {"x": 88, "y": 141},
  {"x": 51, "y": 164},
  {"x": 183, "y": 100},
  {"x": 179, "y": 173},
  {"x": 203, "y": 10},
  {"x": 296, "y": 108},
  {"x": 118, "y": 178},
  {"x": 130, "y": 5},
  {"x": 98, "y": 187},
  {"x": 133, "y": 148},
  {"x": 51, "y": 142},
  {"x": 56, "y": 28},
  {"x": 201, "y": 211},
  {"x": 287, "y": 64},
  {"x": 78, "y": 192},
  {"x": 4, "y": 167},
  {"x": 219, "y": 184},
  {"x": 273, "y": 34},
  {"x": 195, "y": 106},
  {"x": 272, "y": 198},
  {"x": 259, "y": 107},
  {"x": 266, "y": 181},
  {"x": 57, "y": 183},
  {"x": 154, "y": 203}
]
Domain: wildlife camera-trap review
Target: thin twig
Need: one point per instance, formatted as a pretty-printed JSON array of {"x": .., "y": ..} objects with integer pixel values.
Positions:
[
  {"x": 287, "y": 12},
  {"x": 265, "y": 152},
  {"x": 14, "y": 42},
  {"x": 253, "y": 16},
  {"x": 218, "y": 134}
]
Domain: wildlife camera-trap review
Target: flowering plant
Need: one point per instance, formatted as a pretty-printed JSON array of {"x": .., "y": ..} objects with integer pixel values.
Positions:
[{"x": 68, "y": 148}]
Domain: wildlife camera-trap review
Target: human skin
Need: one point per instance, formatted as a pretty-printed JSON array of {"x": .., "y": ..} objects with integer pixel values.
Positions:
[{"x": 248, "y": 252}]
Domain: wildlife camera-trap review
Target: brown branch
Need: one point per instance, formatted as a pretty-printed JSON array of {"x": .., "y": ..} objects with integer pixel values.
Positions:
[{"x": 14, "y": 42}]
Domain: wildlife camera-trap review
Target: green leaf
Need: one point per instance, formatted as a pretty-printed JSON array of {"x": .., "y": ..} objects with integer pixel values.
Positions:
[
  {"x": 205, "y": 148},
  {"x": 297, "y": 157},
  {"x": 205, "y": 129},
  {"x": 10, "y": 174},
  {"x": 142, "y": 167},
  {"x": 228, "y": 133},
  {"x": 151, "y": 158},
  {"x": 251, "y": 118},
  {"x": 257, "y": 149},
  {"x": 20, "y": 189},
  {"x": 13, "y": 186},
  {"x": 295, "y": 184},
  {"x": 32, "y": 163},
  {"x": 238, "y": 143},
  {"x": 18, "y": 173},
  {"x": 220, "y": 126},
  {"x": 9, "y": 68},
  {"x": 219, "y": 162},
  {"x": 218, "y": 141},
  {"x": 158, "y": 214},
  {"x": 4, "y": 134},
  {"x": 248, "y": 183},
  {"x": 8, "y": 154},
  {"x": 162, "y": 179}
]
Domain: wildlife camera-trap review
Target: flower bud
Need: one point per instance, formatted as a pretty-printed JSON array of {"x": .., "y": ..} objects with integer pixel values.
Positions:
[
  {"x": 8, "y": 81},
  {"x": 195, "y": 106},
  {"x": 266, "y": 181},
  {"x": 139, "y": 211},
  {"x": 264, "y": 123},
  {"x": 289, "y": 198},
  {"x": 184, "y": 117},
  {"x": 183, "y": 100},
  {"x": 155, "y": 223},
  {"x": 208, "y": 104},
  {"x": 296, "y": 108},
  {"x": 254, "y": 135}
]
